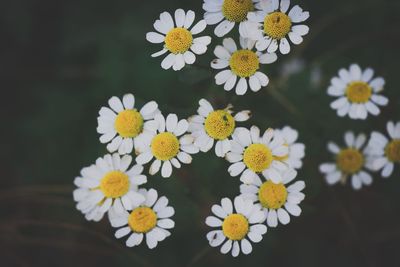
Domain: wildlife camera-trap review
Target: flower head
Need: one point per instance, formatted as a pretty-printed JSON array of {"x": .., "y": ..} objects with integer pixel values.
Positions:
[{"x": 296, "y": 150}]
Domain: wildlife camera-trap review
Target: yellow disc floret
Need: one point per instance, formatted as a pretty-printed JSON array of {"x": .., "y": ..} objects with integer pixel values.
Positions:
[
  {"x": 358, "y": 92},
  {"x": 165, "y": 146},
  {"x": 392, "y": 151},
  {"x": 257, "y": 157},
  {"x": 129, "y": 123},
  {"x": 277, "y": 25},
  {"x": 236, "y": 10},
  {"x": 142, "y": 220},
  {"x": 244, "y": 63},
  {"x": 272, "y": 196},
  {"x": 219, "y": 124},
  {"x": 350, "y": 160},
  {"x": 178, "y": 40},
  {"x": 115, "y": 184},
  {"x": 235, "y": 226}
]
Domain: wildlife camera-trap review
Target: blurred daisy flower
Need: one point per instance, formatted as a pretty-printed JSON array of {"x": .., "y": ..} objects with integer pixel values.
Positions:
[
  {"x": 237, "y": 225},
  {"x": 351, "y": 161},
  {"x": 108, "y": 185},
  {"x": 296, "y": 150},
  {"x": 166, "y": 143},
  {"x": 120, "y": 124},
  {"x": 252, "y": 154},
  {"x": 277, "y": 200},
  {"x": 178, "y": 40},
  {"x": 358, "y": 93},
  {"x": 214, "y": 126},
  {"x": 150, "y": 219},
  {"x": 240, "y": 64}
]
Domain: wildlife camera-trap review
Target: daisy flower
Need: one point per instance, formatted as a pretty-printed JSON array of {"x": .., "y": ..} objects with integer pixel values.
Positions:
[
  {"x": 167, "y": 144},
  {"x": 351, "y": 161},
  {"x": 120, "y": 124},
  {"x": 358, "y": 93},
  {"x": 214, "y": 126},
  {"x": 178, "y": 39},
  {"x": 237, "y": 226},
  {"x": 150, "y": 218},
  {"x": 296, "y": 150},
  {"x": 108, "y": 185},
  {"x": 252, "y": 154},
  {"x": 277, "y": 200},
  {"x": 242, "y": 65},
  {"x": 226, "y": 13},
  {"x": 272, "y": 26},
  {"x": 384, "y": 151}
]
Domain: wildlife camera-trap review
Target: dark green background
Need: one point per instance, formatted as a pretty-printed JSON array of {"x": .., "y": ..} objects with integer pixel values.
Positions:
[{"x": 60, "y": 61}]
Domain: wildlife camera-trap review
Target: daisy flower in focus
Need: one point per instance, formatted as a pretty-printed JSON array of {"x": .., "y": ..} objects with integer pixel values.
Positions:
[
  {"x": 277, "y": 200},
  {"x": 214, "y": 126},
  {"x": 121, "y": 123},
  {"x": 252, "y": 154},
  {"x": 384, "y": 151},
  {"x": 296, "y": 150},
  {"x": 350, "y": 161},
  {"x": 358, "y": 93},
  {"x": 178, "y": 40},
  {"x": 167, "y": 144},
  {"x": 237, "y": 224},
  {"x": 150, "y": 219},
  {"x": 108, "y": 185},
  {"x": 241, "y": 66}
]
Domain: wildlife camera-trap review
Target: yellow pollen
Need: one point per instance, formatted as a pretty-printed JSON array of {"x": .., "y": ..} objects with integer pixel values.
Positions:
[
  {"x": 392, "y": 151},
  {"x": 272, "y": 196},
  {"x": 219, "y": 124},
  {"x": 165, "y": 146},
  {"x": 235, "y": 226},
  {"x": 350, "y": 160},
  {"x": 244, "y": 63},
  {"x": 129, "y": 123},
  {"x": 115, "y": 184},
  {"x": 358, "y": 92},
  {"x": 277, "y": 25},
  {"x": 236, "y": 10},
  {"x": 257, "y": 157},
  {"x": 142, "y": 220},
  {"x": 178, "y": 40}
]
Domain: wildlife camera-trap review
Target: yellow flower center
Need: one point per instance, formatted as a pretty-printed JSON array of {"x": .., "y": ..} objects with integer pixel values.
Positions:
[
  {"x": 219, "y": 124},
  {"x": 277, "y": 25},
  {"x": 257, "y": 157},
  {"x": 272, "y": 196},
  {"x": 178, "y": 40},
  {"x": 115, "y": 184},
  {"x": 129, "y": 123},
  {"x": 244, "y": 63},
  {"x": 350, "y": 160},
  {"x": 165, "y": 146},
  {"x": 392, "y": 151},
  {"x": 236, "y": 10},
  {"x": 142, "y": 220},
  {"x": 235, "y": 226},
  {"x": 358, "y": 92}
]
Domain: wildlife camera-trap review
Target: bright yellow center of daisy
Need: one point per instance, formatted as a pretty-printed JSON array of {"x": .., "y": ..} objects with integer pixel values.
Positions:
[
  {"x": 235, "y": 226},
  {"x": 236, "y": 10},
  {"x": 272, "y": 196},
  {"x": 244, "y": 63},
  {"x": 392, "y": 151},
  {"x": 358, "y": 92},
  {"x": 165, "y": 146},
  {"x": 142, "y": 220},
  {"x": 219, "y": 124},
  {"x": 277, "y": 25},
  {"x": 257, "y": 157},
  {"x": 178, "y": 40},
  {"x": 350, "y": 160},
  {"x": 115, "y": 184},
  {"x": 129, "y": 123}
]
